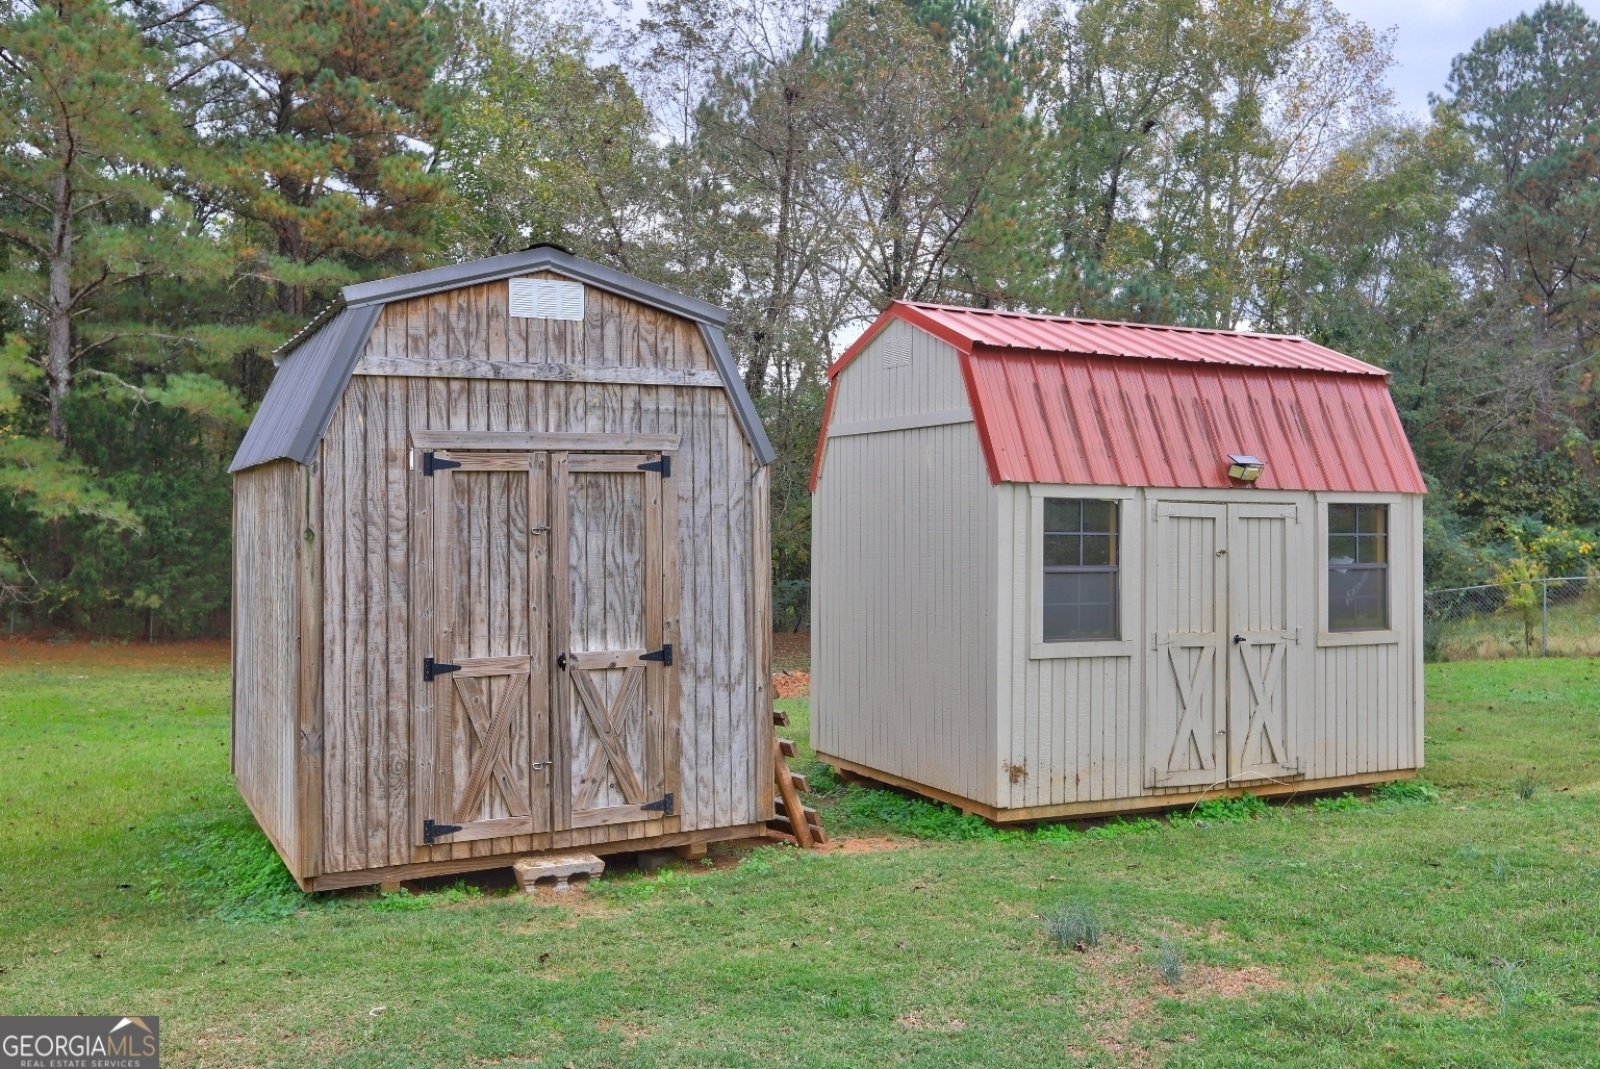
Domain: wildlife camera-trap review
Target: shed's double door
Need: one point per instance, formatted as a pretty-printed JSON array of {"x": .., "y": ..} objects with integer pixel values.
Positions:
[
  {"x": 1226, "y": 661},
  {"x": 546, "y": 689}
]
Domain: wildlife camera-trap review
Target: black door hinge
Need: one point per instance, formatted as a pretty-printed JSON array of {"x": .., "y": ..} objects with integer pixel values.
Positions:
[
  {"x": 432, "y": 668},
  {"x": 664, "y": 655},
  {"x": 664, "y": 466},
  {"x": 431, "y": 462},
  {"x": 432, "y": 831},
  {"x": 664, "y": 807}
]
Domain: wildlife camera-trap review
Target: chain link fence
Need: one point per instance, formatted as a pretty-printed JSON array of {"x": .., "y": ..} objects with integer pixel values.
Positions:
[{"x": 1537, "y": 618}]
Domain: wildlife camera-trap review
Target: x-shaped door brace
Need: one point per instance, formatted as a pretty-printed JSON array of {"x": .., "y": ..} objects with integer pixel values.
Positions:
[
  {"x": 1261, "y": 699},
  {"x": 1189, "y": 697},
  {"x": 607, "y": 723},
  {"x": 494, "y": 734}
]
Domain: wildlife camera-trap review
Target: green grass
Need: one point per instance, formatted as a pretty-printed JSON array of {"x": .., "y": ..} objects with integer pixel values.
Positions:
[{"x": 1359, "y": 932}]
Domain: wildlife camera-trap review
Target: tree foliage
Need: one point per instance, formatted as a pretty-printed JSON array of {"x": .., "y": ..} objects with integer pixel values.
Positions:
[{"x": 182, "y": 184}]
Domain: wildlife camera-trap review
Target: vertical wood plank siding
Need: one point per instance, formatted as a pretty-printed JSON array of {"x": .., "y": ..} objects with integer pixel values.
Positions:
[
  {"x": 903, "y": 540},
  {"x": 372, "y": 657},
  {"x": 268, "y": 521}
]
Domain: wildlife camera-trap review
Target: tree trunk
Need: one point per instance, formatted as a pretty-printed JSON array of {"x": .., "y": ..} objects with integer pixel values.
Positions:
[{"x": 58, "y": 320}]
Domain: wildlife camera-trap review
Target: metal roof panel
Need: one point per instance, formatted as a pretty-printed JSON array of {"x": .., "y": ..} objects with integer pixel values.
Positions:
[{"x": 1106, "y": 421}]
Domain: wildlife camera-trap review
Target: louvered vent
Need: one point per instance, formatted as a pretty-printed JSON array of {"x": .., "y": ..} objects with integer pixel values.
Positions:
[
  {"x": 543, "y": 298},
  {"x": 897, "y": 353}
]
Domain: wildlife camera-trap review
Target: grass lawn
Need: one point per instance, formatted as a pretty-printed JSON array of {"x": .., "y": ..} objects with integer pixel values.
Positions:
[{"x": 1463, "y": 932}]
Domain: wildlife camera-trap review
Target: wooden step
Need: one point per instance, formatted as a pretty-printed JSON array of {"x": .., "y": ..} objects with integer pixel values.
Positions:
[
  {"x": 786, "y": 747},
  {"x": 780, "y": 718},
  {"x": 782, "y": 826},
  {"x": 813, "y": 822},
  {"x": 801, "y": 784}
]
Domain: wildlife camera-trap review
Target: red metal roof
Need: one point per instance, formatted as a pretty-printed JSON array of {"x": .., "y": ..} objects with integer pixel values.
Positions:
[
  {"x": 1104, "y": 421},
  {"x": 1111, "y": 404}
]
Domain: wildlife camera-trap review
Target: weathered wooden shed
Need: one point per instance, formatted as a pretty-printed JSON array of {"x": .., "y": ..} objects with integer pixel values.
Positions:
[
  {"x": 501, "y": 579},
  {"x": 1064, "y": 568}
]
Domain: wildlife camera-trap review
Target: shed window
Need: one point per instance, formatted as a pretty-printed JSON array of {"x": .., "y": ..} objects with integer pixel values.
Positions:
[
  {"x": 1358, "y": 567},
  {"x": 1082, "y": 556}
]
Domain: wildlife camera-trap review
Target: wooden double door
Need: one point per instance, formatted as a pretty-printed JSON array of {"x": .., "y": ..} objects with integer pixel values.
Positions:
[
  {"x": 1225, "y": 669},
  {"x": 545, "y": 620}
]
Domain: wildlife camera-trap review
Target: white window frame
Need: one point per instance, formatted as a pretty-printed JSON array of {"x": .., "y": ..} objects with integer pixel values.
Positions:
[
  {"x": 1129, "y": 575},
  {"x": 1397, "y": 574}
]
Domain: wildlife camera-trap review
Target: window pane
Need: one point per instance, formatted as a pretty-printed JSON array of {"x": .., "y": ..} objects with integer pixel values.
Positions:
[
  {"x": 1372, "y": 549},
  {"x": 1341, "y": 549},
  {"x": 1358, "y": 599},
  {"x": 1100, "y": 516},
  {"x": 1372, "y": 519},
  {"x": 1099, "y": 550},
  {"x": 1342, "y": 519},
  {"x": 1063, "y": 514},
  {"x": 1062, "y": 549},
  {"x": 1079, "y": 606}
]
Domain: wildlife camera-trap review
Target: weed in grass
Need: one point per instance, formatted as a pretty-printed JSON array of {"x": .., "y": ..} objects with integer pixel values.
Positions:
[
  {"x": 1406, "y": 792},
  {"x": 405, "y": 902},
  {"x": 1501, "y": 868},
  {"x": 823, "y": 778},
  {"x": 846, "y": 1007},
  {"x": 912, "y": 816},
  {"x": 1528, "y": 785},
  {"x": 1342, "y": 804},
  {"x": 1507, "y": 985},
  {"x": 1073, "y": 926},
  {"x": 230, "y": 868},
  {"x": 1169, "y": 960},
  {"x": 1223, "y": 811}
]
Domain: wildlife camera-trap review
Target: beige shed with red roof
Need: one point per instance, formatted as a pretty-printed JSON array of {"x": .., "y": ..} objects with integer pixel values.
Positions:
[{"x": 1063, "y": 567}]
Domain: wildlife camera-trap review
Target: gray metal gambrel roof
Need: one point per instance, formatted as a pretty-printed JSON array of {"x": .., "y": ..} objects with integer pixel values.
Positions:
[{"x": 316, "y": 366}]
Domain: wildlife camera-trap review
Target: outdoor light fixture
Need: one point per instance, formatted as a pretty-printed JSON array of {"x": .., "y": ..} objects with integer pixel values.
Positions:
[{"x": 1244, "y": 467}]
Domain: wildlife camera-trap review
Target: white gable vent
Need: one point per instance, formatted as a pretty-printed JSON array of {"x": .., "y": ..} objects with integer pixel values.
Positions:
[
  {"x": 543, "y": 298},
  {"x": 897, "y": 353}
]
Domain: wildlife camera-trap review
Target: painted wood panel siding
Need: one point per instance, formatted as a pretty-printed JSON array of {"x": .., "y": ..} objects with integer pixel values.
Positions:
[
  {"x": 904, "y": 371},
  {"x": 268, "y": 521},
  {"x": 372, "y": 652},
  {"x": 903, "y": 551},
  {"x": 1072, "y": 730}
]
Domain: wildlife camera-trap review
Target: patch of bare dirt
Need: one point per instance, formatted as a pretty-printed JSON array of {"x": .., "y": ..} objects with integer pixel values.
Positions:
[
  {"x": 1419, "y": 991},
  {"x": 865, "y": 844},
  {"x": 36, "y": 650},
  {"x": 1129, "y": 992},
  {"x": 791, "y": 684}
]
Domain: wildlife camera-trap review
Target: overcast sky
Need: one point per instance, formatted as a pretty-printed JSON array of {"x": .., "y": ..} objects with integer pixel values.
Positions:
[{"x": 1429, "y": 34}]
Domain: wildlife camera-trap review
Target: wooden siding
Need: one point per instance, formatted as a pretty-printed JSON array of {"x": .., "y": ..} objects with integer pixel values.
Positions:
[
  {"x": 268, "y": 522},
  {"x": 903, "y": 545},
  {"x": 373, "y": 653}
]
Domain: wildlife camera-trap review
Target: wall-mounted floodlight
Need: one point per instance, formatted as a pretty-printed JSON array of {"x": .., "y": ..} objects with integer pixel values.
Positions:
[{"x": 1244, "y": 467}]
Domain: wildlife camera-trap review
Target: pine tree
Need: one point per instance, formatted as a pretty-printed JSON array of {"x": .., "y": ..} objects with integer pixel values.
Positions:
[
  {"x": 329, "y": 164},
  {"x": 85, "y": 131}
]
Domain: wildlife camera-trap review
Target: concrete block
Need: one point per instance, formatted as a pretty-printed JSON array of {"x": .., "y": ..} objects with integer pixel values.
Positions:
[{"x": 558, "y": 867}]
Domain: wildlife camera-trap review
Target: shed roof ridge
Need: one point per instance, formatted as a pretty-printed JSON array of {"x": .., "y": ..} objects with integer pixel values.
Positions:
[{"x": 1051, "y": 317}]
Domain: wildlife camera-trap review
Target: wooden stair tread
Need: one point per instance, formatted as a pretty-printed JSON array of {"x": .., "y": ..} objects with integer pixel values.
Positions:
[
  {"x": 780, "y": 718},
  {"x": 787, "y": 748}
]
